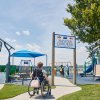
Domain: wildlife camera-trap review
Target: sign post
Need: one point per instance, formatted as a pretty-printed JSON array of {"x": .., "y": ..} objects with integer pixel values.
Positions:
[
  {"x": 63, "y": 41},
  {"x": 74, "y": 64},
  {"x": 53, "y": 56}
]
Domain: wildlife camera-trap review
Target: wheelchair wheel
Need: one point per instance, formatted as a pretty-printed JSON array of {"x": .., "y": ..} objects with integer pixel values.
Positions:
[
  {"x": 32, "y": 90},
  {"x": 45, "y": 89}
]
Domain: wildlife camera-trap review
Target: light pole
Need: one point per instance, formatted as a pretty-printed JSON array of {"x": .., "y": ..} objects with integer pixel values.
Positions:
[{"x": 8, "y": 47}]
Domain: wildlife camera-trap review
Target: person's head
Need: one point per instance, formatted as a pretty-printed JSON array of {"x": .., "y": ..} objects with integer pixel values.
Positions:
[
  {"x": 61, "y": 66},
  {"x": 40, "y": 65}
]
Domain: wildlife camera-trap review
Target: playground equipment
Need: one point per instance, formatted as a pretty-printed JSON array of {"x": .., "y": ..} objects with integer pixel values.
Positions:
[
  {"x": 96, "y": 50},
  {"x": 28, "y": 54},
  {"x": 25, "y": 66},
  {"x": 91, "y": 66},
  {"x": 57, "y": 64},
  {"x": 97, "y": 71},
  {"x": 95, "y": 47},
  {"x": 24, "y": 71}
]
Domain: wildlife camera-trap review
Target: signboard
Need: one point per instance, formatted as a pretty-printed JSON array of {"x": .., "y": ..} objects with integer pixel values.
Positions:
[
  {"x": 0, "y": 46},
  {"x": 64, "y": 41},
  {"x": 26, "y": 62}
]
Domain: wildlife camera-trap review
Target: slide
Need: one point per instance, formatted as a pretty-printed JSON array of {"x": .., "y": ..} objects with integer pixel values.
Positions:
[{"x": 89, "y": 69}]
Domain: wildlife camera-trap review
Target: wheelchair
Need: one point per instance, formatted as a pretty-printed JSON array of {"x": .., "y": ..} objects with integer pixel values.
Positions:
[{"x": 44, "y": 88}]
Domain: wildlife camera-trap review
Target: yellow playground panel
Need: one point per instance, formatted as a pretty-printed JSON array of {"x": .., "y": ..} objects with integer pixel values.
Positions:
[{"x": 97, "y": 70}]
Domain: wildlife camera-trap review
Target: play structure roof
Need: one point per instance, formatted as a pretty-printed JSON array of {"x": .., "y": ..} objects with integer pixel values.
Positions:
[{"x": 27, "y": 53}]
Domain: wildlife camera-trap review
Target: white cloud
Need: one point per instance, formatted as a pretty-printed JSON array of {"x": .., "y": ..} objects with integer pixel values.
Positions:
[
  {"x": 18, "y": 33},
  {"x": 81, "y": 50},
  {"x": 27, "y": 33},
  {"x": 10, "y": 40},
  {"x": 33, "y": 47},
  {"x": 18, "y": 46},
  {"x": 81, "y": 55},
  {"x": 28, "y": 46}
]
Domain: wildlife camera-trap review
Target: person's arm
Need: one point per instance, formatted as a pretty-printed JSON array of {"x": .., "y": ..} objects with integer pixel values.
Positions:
[
  {"x": 45, "y": 74},
  {"x": 47, "y": 78}
]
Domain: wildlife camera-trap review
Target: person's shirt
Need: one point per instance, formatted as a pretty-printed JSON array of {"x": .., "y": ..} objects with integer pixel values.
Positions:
[{"x": 37, "y": 73}]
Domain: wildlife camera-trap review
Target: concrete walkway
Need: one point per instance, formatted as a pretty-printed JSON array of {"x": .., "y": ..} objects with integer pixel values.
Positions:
[
  {"x": 63, "y": 87},
  {"x": 1, "y": 86}
]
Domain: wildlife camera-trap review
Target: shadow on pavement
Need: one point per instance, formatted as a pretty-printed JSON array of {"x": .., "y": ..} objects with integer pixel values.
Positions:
[{"x": 43, "y": 98}]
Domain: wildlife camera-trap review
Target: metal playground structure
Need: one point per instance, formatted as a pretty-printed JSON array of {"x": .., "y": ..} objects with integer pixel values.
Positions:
[{"x": 61, "y": 63}]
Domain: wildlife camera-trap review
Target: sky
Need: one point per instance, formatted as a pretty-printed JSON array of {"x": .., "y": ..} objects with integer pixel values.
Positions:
[{"x": 28, "y": 25}]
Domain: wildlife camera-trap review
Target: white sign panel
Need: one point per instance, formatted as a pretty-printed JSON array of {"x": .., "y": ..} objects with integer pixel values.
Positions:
[{"x": 64, "y": 41}]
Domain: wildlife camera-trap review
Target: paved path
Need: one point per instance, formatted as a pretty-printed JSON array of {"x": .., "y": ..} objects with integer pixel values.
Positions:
[
  {"x": 63, "y": 86},
  {"x": 1, "y": 86}
]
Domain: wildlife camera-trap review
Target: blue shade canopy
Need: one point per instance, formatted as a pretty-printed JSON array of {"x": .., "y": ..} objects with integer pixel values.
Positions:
[{"x": 27, "y": 53}]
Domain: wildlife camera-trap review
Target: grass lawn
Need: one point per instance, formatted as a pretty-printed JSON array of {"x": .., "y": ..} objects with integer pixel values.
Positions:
[
  {"x": 12, "y": 90},
  {"x": 88, "y": 92}
]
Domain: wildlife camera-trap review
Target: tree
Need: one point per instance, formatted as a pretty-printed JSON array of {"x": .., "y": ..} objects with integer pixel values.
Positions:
[
  {"x": 94, "y": 49},
  {"x": 85, "y": 20}
]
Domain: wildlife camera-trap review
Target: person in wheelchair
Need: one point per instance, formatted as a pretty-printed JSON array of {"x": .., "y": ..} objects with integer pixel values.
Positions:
[{"x": 41, "y": 75}]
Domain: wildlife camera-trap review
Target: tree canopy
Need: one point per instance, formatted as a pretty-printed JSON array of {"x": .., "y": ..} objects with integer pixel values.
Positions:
[{"x": 85, "y": 20}]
